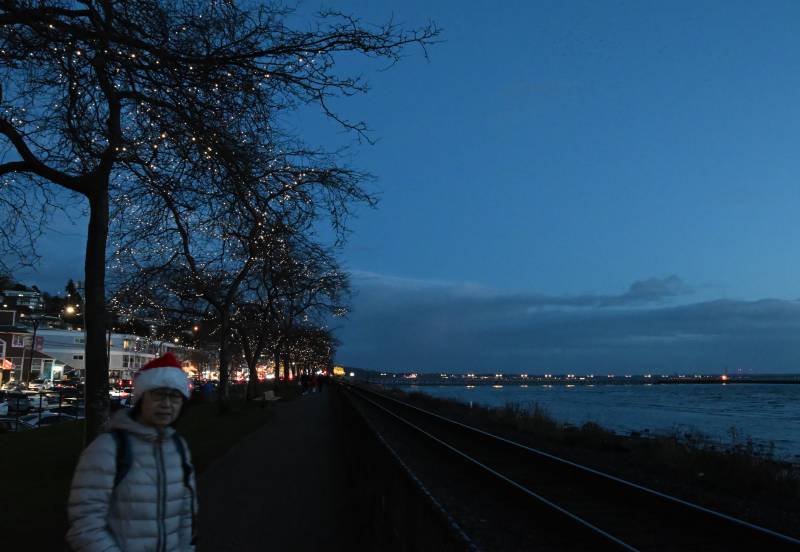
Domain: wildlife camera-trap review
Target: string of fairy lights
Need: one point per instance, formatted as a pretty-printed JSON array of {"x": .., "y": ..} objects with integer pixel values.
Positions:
[{"x": 208, "y": 191}]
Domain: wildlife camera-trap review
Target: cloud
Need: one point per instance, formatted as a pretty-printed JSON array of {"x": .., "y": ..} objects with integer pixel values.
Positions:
[
  {"x": 472, "y": 296},
  {"x": 653, "y": 290},
  {"x": 402, "y": 325}
]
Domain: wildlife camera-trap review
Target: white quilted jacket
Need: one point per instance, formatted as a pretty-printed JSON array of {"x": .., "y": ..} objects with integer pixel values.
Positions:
[{"x": 151, "y": 508}]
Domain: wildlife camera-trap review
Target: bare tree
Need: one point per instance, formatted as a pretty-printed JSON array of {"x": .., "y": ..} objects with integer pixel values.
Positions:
[
  {"x": 106, "y": 98},
  {"x": 255, "y": 331},
  {"x": 196, "y": 276},
  {"x": 305, "y": 287},
  {"x": 298, "y": 285},
  {"x": 313, "y": 348},
  {"x": 202, "y": 241}
]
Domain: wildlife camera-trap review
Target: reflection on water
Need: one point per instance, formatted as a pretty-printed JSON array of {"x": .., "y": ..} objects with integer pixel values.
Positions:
[{"x": 765, "y": 412}]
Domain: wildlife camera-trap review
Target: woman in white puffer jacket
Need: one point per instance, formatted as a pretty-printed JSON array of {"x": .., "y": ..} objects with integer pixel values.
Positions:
[{"x": 134, "y": 489}]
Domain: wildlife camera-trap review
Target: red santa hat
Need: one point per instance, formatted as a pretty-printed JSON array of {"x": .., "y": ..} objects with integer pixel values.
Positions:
[{"x": 159, "y": 373}]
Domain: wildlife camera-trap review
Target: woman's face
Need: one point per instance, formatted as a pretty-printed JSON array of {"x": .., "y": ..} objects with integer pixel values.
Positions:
[{"x": 160, "y": 407}]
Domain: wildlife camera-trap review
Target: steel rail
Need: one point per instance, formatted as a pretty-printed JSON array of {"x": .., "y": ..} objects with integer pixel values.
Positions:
[
  {"x": 652, "y": 492},
  {"x": 552, "y": 505},
  {"x": 421, "y": 487}
]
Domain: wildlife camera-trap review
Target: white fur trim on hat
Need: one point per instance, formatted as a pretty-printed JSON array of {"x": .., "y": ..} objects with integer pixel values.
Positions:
[{"x": 163, "y": 372}]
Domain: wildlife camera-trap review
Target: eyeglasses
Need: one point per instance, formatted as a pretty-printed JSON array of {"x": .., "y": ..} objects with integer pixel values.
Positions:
[{"x": 171, "y": 396}]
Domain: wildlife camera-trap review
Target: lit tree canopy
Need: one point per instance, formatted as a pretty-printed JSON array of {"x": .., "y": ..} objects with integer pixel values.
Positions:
[
  {"x": 113, "y": 99},
  {"x": 299, "y": 285}
]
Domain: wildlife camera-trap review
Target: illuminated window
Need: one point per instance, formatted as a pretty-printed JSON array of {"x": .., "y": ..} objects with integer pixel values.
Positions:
[{"x": 17, "y": 341}]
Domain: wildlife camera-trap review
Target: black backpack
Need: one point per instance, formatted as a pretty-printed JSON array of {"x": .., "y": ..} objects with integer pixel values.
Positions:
[{"x": 125, "y": 459}]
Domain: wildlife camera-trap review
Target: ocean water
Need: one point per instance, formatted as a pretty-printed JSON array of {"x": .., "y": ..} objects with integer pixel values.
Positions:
[{"x": 769, "y": 414}]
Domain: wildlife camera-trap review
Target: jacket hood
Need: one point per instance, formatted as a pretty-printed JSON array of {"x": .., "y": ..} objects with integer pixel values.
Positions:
[{"x": 122, "y": 420}]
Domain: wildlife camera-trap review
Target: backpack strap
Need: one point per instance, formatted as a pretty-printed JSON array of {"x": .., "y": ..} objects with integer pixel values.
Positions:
[
  {"x": 187, "y": 467},
  {"x": 187, "y": 476},
  {"x": 124, "y": 460}
]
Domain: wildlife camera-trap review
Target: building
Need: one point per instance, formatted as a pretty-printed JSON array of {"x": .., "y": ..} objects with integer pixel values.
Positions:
[
  {"x": 18, "y": 351},
  {"x": 66, "y": 346},
  {"x": 57, "y": 352},
  {"x": 126, "y": 352},
  {"x": 30, "y": 300}
]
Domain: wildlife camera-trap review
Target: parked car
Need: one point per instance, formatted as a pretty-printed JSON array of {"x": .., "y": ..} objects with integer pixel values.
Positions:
[
  {"x": 76, "y": 411},
  {"x": 38, "y": 400},
  {"x": 11, "y": 424},
  {"x": 54, "y": 420},
  {"x": 121, "y": 392},
  {"x": 39, "y": 385},
  {"x": 121, "y": 398},
  {"x": 74, "y": 401},
  {"x": 122, "y": 383},
  {"x": 42, "y": 419},
  {"x": 68, "y": 390},
  {"x": 18, "y": 402},
  {"x": 53, "y": 399}
]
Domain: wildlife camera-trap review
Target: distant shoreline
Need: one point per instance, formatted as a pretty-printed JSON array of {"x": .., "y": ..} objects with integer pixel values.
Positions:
[{"x": 464, "y": 381}]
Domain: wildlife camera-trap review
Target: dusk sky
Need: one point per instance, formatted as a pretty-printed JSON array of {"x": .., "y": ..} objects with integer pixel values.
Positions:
[{"x": 571, "y": 187}]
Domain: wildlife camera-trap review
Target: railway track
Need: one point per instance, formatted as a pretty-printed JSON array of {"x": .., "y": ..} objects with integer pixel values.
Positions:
[{"x": 508, "y": 496}]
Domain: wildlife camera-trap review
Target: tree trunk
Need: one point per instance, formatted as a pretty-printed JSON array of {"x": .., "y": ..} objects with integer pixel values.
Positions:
[
  {"x": 252, "y": 385},
  {"x": 276, "y": 357},
  {"x": 287, "y": 363},
  {"x": 224, "y": 361},
  {"x": 97, "y": 400}
]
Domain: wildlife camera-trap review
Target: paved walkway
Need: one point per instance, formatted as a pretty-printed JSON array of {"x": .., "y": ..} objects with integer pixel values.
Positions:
[{"x": 298, "y": 499}]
